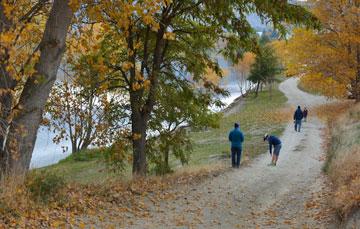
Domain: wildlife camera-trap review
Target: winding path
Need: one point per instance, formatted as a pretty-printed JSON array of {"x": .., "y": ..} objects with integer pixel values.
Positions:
[{"x": 257, "y": 196}]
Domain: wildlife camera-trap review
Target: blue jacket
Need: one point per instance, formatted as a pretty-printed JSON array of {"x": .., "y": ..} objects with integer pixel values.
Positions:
[
  {"x": 298, "y": 115},
  {"x": 273, "y": 141},
  {"x": 236, "y": 138}
]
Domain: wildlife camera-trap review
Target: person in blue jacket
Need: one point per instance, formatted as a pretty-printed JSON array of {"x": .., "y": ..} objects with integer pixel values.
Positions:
[
  {"x": 276, "y": 143},
  {"x": 236, "y": 137},
  {"x": 298, "y": 116}
]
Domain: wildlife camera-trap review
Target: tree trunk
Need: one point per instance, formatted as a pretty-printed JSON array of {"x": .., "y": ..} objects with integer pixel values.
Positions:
[
  {"x": 7, "y": 85},
  {"x": 139, "y": 141},
  {"x": 140, "y": 114},
  {"x": 257, "y": 89},
  {"x": 166, "y": 160},
  {"x": 74, "y": 148},
  {"x": 24, "y": 126},
  {"x": 357, "y": 79}
]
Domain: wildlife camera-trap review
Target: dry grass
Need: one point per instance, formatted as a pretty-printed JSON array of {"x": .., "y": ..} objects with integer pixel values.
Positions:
[
  {"x": 343, "y": 155},
  {"x": 332, "y": 111},
  {"x": 11, "y": 194},
  {"x": 345, "y": 174},
  {"x": 19, "y": 210}
]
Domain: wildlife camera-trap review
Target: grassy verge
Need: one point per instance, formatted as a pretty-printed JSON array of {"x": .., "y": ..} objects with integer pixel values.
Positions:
[
  {"x": 56, "y": 195},
  {"x": 262, "y": 114},
  {"x": 343, "y": 155},
  {"x": 41, "y": 200},
  {"x": 84, "y": 167}
]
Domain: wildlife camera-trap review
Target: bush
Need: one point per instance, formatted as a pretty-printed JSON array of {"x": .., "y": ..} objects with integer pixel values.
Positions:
[
  {"x": 84, "y": 155},
  {"x": 44, "y": 186},
  {"x": 166, "y": 147},
  {"x": 116, "y": 156}
]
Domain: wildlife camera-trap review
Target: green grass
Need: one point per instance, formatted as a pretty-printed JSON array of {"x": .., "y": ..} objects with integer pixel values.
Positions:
[
  {"x": 255, "y": 118},
  {"x": 84, "y": 167}
]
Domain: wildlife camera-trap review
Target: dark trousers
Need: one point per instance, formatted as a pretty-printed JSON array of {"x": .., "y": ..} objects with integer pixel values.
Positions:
[
  {"x": 297, "y": 125},
  {"x": 235, "y": 156}
]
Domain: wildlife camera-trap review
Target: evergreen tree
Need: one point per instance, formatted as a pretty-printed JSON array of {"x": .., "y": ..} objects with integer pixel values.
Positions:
[{"x": 265, "y": 68}]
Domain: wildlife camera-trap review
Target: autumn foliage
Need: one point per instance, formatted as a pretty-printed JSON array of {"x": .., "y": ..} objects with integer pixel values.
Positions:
[
  {"x": 328, "y": 59},
  {"x": 82, "y": 205}
]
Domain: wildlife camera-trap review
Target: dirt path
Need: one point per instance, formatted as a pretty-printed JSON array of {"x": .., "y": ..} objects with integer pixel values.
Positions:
[{"x": 289, "y": 195}]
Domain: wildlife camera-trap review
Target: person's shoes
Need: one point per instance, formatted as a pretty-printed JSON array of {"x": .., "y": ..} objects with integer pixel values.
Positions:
[
  {"x": 238, "y": 166},
  {"x": 271, "y": 164}
]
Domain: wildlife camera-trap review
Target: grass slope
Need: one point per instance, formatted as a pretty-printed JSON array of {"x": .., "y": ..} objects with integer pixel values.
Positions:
[{"x": 259, "y": 115}]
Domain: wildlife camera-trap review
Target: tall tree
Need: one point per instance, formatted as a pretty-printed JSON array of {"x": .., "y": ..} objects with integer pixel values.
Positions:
[
  {"x": 32, "y": 82},
  {"x": 175, "y": 38},
  {"x": 265, "y": 67}
]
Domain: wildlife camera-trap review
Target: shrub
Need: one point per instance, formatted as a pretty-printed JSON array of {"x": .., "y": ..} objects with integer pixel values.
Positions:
[
  {"x": 116, "y": 156},
  {"x": 166, "y": 147},
  {"x": 44, "y": 186},
  {"x": 84, "y": 155}
]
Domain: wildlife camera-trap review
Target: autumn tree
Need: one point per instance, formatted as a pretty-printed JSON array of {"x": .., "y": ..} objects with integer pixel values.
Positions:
[
  {"x": 80, "y": 108},
  {"x": 32, "y": 42},
  {"x": 242, "y": 71},
  {"x": 84, "y": 115},
  {"x": 147, "y": 40},
  {"x": 329, "y": 60}
]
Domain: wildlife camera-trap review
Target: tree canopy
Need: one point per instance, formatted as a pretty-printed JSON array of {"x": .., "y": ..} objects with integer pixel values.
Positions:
[
  {"x": 328, "y": 60},
  {"x": 133, "y": 47}
]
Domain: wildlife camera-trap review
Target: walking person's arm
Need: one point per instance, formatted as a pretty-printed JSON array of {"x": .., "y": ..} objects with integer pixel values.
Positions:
[{"x": 270, "y": 148}]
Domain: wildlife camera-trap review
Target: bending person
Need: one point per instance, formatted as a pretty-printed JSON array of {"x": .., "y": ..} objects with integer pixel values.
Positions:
[{"x": 276, "y": 143}]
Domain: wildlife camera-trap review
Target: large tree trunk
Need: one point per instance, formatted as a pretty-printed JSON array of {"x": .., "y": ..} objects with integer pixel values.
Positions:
[
  {"x": 140, "y": 114},
  {"x": 139, "y": 126},
  {"x": 24, "y": 126}
]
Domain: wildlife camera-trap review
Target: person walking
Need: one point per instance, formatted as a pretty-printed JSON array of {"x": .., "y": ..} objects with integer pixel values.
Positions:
[
  {"x": 298, "y": 116},
  {"x": 305, "y": 113},
  {"x": 276, "y": 143},
  {"x": 236, "y": 137}
]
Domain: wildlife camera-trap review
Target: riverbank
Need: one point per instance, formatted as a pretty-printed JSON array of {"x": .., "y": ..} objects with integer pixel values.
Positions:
[{"x": 256, "y": 116}]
